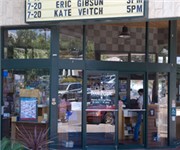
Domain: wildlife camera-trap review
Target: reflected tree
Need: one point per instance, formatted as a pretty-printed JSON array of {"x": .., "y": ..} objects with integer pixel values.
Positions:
[
  {"x": 28, "y": 44},
  {"x": 25, "y": 39},
  {"x": 10, "y": 47}
]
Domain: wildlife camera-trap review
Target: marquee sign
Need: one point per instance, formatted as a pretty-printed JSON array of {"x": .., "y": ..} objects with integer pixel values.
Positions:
[{"x": 61, "y": 10}]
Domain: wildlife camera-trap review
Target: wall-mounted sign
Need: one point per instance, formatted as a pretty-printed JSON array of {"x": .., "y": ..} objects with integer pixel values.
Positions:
[{"x": 61, "y": 10}]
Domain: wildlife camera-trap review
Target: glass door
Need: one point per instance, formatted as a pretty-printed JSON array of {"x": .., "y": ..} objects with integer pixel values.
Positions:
[
  {"x": 108, "y": 103},
  {"x": 101, "y": 108},
  {"x": 131, "y": 109},
  {"x": 69, "y": 121},
  {"x": 157, "y": 114}
]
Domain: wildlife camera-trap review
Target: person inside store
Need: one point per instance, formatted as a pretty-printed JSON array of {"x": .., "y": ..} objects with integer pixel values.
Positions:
[
  {"x": 64, "y": 106},
  {"x": 139, "y": 114}
]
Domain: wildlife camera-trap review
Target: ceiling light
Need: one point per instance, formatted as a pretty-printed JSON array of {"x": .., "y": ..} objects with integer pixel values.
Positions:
[{"x": 124, "y": 33}]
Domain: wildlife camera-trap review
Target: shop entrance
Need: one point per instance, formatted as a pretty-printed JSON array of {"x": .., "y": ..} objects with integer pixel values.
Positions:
[
  {"x": 131, "y": 116},
  {"x": 113, "y": 114},
  {"x": 101, "y": 108}
]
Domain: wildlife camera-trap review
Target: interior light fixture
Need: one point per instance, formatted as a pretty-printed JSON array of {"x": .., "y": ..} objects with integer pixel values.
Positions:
[{"x": 124, "y": 33}]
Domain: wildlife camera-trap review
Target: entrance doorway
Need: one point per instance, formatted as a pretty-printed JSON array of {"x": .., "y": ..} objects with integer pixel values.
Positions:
[
  {"x": 101, "y": 108},
  {"x": 113, "y": 116},
  {"x": 107, "y": 100},
  {"x": 131, "y": 109},
  {"x": 69, "y": 121}
]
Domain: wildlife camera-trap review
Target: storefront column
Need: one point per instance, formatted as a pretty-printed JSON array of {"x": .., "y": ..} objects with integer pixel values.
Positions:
[
  {"x": 84, "y": 86},
  {"x": 53, "y": 81},
  {"x": 146, "y": 84},
  {"x": 172, "y": 80}
]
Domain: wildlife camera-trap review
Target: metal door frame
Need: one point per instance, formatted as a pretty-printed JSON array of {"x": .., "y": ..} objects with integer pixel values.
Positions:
[
  {"x": 85, "y": 146},
  {"x": 145, "y": 87}
]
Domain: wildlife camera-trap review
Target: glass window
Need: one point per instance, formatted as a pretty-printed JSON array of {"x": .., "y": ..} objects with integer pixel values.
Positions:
[
  {"x": 71, "y": 87},
  {"x": 106, "y": 43},
  {"x": 131, "y": 109},
  {"x": 157, "y": 109},
  {"x": 178, "y": 60},
  {"x": 115, "y": 57},
  {"x": 137, "y": 57},
  {"x": 178, "y": 89},
  {"x": 25, "y": 100},
  {"x": 178, "y": 43},
  {"x": 135, "y": 85},
  {"x": 27, "y": 44},
  {"x": 158, "y": 41},
  {"x": 177, "y": 107},
  {"x": 71, "y": 42},
  {"x": 152, "y": 58},
  {"x": 100, "y": 110},
  {"x": 69, "y": 119}
]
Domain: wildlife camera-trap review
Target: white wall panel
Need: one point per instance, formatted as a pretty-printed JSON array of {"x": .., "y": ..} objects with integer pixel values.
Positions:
[
  {"x": 12, "y": 11},
  {"x": 164, "y": 9}
]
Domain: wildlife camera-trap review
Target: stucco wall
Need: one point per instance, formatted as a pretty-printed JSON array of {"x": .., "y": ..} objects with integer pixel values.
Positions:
[
  {"x": 12, "y": 11},
  {"x": 164, "y": 8}
]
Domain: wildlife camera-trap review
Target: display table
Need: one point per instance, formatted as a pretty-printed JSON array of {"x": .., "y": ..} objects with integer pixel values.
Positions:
[
  {"x": 129, "y": 117},
  {"x": 135, "y": 110},
  {"x": 29, "y": 126}
]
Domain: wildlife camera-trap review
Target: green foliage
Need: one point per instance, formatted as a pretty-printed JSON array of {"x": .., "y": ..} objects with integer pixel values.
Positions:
[
  {"x": 11, "y": 41},
  {"x": 25, "y": 38},
  {"x": 35, "y": 43},
  {"x": 7, "y": 144},
  {"x": 42, "y": 43},
  {"x": 34, "y": 141},
  {"x": 70, "y": 42},
  {"x": 71, "y": 79},
  {"x": 29, "y": 44},
  {"x": 90, "y": 50}
]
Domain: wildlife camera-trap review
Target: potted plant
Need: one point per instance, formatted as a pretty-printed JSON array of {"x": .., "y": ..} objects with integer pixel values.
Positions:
[
  {"x": 36, "y": 140},
  {"x": 7, "y": 144}
]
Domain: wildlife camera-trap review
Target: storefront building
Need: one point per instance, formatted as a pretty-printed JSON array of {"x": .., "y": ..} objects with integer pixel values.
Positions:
[{"x": 98, "y": 61}]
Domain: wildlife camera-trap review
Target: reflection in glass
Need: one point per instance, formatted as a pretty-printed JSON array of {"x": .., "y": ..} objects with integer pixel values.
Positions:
[
  {"x": 90, "y": 49},
  {"x": 123, "y": 88},
  {"x": 27, "y": 44},
  {"x": 137, "y": 57},
  {"x": 105, "y": 44},
  {"x": 158, "y": 110},
  {"x": 178, "y": 60},
  {"x": 135, "y": 85},
  {"x": 131, "y": 124},
  {"x": 115, "y": 57},
  {"x": 158, "y": 40},
  {"x": 69, "y": 109},
  {"x": 152, "y": 58},
  {"x": 26, "y": 96},
  {"x": 71, "y": 42},
  {"x": 101, "y": 109}
]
